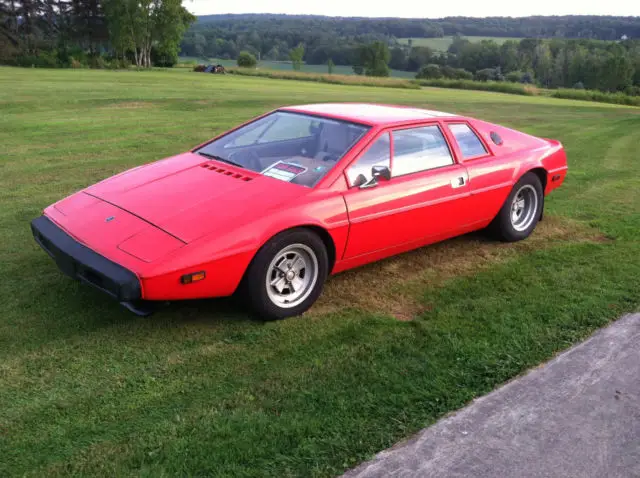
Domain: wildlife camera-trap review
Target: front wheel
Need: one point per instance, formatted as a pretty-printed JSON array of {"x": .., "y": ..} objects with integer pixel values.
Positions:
[
  {"x": 287, "y": 275},
  {"x": 521, "y": 211}
]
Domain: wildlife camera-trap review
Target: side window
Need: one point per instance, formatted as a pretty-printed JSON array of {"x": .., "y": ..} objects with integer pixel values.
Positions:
[
  {"x": 378, "y": 154},
  {"x": 470, "y": 145},
  {"x": 419, "y": 149}
]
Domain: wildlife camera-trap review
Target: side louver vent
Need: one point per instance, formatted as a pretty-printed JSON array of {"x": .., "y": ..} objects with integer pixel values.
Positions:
[{"x": 226, "y": 172}]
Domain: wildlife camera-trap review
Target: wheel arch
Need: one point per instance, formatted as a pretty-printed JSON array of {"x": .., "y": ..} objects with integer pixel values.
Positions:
[
  {"x": 320, "y": 231},
  {"x": 326, "y": 239},
  {"x": 542, "y": 174}
]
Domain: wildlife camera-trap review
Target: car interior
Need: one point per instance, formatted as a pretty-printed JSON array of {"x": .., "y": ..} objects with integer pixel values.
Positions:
[{"x": 315, "y": 144}]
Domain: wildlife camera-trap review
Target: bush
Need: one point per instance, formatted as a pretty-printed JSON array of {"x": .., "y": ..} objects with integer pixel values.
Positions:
[
  {"x": 118, "y": 63},
  {"x": 484, "y": 75},
  {"x": 595, "y": 95},
  {"x": 430, "y": 71},
  {"x": 247, "y": 60},
  {"x": 45, "y": 59},
  {"x": 500, "y": 87},
  {"x": 324, "y": 78},
  {"x": 163, "y": 58},
  {"x": 489, "y": 74},
  {"x": 456, "y": 73},
  {"x": 632, "y": 90},
  {"x": 579, "y": 86},
  {"x": 379, "y": 68},
  {"x": 514, "y": 77},
  {"x": 527, "y": 78},
  {"x": 97, "y": 62}
]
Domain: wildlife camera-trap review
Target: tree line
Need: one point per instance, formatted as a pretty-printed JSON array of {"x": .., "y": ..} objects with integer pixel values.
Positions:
[
  {"x": 271, "y": 37},
  {"x": 604, "y": 54},
  {"x": 555, "y": 63},
  {"x": 63, "y": 33}
]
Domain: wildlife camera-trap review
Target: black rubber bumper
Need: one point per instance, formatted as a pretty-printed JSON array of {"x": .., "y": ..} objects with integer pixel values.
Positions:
[{"x": 80, "y": 262}]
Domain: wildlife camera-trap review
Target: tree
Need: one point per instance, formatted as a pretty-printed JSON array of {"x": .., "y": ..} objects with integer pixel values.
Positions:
[
  {"x": 373, "y": 58},
  {"x": 398, "y": 59},
  {"x": 616, "y": 72},
  {"x": 247, "y": 60},
  {"x": 419, "y": 56},
  {"x": 509, "y": 56},
  {"x": 88, "y": 25},
  {"x": 430, "y": 71},
  {"x": 200, "y": 44},
  {"x": 330, "y": 66},
  {"x": 295, "y": 55},
  {"x": 543, "y": 64},
  {"x": 143, "y": 24}
]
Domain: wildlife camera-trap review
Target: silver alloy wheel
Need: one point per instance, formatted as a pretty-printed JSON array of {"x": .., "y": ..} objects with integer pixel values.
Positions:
[
  {"x": 292, "y": 275},
  {"x": 524, "y": 208}
]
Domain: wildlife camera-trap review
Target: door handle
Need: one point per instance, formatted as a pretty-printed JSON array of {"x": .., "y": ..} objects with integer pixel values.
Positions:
[{"x": 459, "y": 181}]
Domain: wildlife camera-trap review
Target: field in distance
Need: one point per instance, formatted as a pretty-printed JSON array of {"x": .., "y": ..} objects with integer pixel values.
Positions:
[{"x": 443, "y": 43}]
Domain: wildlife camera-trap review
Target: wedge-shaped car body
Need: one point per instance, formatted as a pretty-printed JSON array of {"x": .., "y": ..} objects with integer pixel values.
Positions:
[{"x": 272, "y": 207}]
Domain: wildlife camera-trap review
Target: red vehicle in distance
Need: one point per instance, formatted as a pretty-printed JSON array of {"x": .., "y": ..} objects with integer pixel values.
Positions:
[{"x": 274, "y": 206}]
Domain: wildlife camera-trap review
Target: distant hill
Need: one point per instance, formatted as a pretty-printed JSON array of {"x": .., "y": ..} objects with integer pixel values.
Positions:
[{"x": 571, "y": 26}]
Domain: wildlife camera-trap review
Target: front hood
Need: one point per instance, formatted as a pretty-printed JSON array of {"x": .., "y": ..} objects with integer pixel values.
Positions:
[{"x": 189, "y": 196}]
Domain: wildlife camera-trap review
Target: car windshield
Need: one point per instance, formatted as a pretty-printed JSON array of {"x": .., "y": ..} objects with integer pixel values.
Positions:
[{"x": 292, "y": 147}]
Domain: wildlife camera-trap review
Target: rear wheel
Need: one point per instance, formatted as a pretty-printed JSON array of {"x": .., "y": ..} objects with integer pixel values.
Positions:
[
  {"x": 287, "y": 275},
  {"x": 521, "y": 211}
]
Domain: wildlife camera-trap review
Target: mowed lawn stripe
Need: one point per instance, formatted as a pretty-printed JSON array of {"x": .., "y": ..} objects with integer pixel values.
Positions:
[{"x": 199, "y": 388}]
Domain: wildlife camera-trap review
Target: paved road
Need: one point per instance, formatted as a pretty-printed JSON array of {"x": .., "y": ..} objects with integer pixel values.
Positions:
[{"x": 576, "y": 416}]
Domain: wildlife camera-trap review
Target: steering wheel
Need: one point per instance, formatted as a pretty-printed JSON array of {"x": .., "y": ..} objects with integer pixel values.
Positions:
[
  {"x": 253, "y": 161},
  {"x": 328, "y": 157}
]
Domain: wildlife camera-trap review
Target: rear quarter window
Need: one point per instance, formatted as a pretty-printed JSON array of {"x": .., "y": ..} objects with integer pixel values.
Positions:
[{"x": 468, "y": 142}]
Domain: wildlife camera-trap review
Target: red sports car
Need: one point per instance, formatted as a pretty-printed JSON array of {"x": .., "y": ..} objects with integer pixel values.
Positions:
[{"x": 272, "y": 207}]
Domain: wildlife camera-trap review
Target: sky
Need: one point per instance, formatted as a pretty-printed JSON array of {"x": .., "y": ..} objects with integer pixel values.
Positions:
[{"x": 419, "y": 8}]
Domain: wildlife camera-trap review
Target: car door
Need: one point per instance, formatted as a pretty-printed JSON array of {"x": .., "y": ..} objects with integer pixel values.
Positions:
[
  {"x": 490, "y": 177},
  {"x": 425, "y": 196}
]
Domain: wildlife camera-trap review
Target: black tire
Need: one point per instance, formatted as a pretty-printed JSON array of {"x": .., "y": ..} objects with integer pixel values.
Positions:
[
  {"x": 503, "y": 226},
  {"x": 254, "y": 288}
]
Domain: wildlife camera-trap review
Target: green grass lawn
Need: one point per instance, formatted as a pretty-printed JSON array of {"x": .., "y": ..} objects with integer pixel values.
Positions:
[
  {"x": 200, "y": 389},
  {"x": 443, "y": 43}
]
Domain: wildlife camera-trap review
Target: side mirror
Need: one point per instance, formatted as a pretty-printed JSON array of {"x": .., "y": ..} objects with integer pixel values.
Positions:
[
  {"x": 378, "y": 173},
  {"x": 381, "y": 172}
]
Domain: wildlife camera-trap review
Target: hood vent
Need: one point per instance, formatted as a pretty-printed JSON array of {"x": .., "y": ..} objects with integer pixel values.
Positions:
[{"x": 226, "y": 172}]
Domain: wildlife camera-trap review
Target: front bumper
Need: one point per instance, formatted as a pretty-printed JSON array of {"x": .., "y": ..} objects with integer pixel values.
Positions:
[{"x": 80, "y": 262}]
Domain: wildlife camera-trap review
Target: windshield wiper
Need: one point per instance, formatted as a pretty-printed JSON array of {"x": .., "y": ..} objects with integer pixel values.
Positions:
[{"x": 221, "y": 159}]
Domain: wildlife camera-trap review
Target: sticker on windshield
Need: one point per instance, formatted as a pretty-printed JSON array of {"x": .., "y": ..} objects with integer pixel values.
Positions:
[{"x": 284, "y": 171}]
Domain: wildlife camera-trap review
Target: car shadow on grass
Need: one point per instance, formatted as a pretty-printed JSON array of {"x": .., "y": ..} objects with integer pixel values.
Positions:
[
  {"x": 395, "y": 286},
  {"x": 62, "y": 308}
]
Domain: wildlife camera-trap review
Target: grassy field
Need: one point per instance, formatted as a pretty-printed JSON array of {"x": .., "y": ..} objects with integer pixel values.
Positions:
[
  {"x": 285, "y": 65},
  {"x": 199, "y": 389},
  {"x": 443, "y": 43}
]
